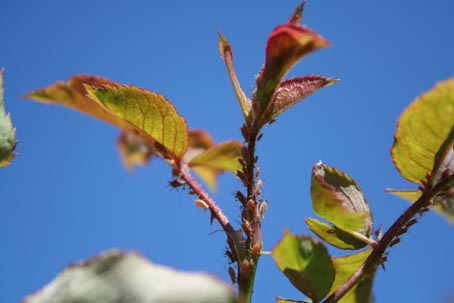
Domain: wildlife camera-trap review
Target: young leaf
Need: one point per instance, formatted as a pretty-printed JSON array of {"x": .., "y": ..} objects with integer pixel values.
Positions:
[
  {"x": 421, "y": 131},
  {"x": 345, "y": 267},
  {"x": 116, "y": 276},
  {"x": 227, "y": 55},
  {"x": 286, "y": 44},
  {"x": 337, "y": 198},
  {"x": 7, "y": 132},
  {"x": 134, "y": 150},
  {"x": 306, "y": 263},
  {"x": 145, "y": 112},
  {"x": 333, "y": 235},
  {"x": 217, "y": 159},
  {"x": 293, "y": 91}
]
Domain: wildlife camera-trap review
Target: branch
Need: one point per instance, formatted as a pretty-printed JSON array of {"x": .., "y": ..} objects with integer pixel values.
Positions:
[
  {"x": 376, "y": 256},
  {"x": 216, "y": 211}
]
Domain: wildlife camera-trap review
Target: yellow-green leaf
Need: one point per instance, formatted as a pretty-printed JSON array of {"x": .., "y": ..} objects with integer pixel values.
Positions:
[
  {"x": 216, "y": 159},
  {"x": 421, "y": 131},
  {"x": 345, "y": 267},
  {"x": 444, "y": 205},
  {"x": 7, "y": 131},
  {"x": 306, "y": 263},
  {"x": 337, "y": 198},
  {"x": 147, "y": 112},
  {"x": 333, "y": 235}
]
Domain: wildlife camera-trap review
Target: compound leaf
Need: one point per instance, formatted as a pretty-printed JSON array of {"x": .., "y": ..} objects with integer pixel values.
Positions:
[
  {"x": 306, "y": 263},
  {"x": 117, "y": 276}
]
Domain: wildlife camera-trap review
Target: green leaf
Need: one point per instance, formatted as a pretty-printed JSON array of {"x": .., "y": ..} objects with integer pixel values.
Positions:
[
  {"x": 293, "y": 91},
  {"x": 345, "y": 267},
  {"x": 227, "y": 55},
  {"x": 147, "y": 112},
  {"x": 7, "y": 131},
  {"x": 306, "y": 263},
  {"x": 286, "y": 45},
  {"x": 421, "y": 131},
  {"x": 333, "y": 235},
  {"x": 149, "y": 115},
  {"x": 134, "y": 150},
  {"x": 217, "y": 159},
  {"x": 116, "y": 276},
  {"x": 337, "y": 198}
]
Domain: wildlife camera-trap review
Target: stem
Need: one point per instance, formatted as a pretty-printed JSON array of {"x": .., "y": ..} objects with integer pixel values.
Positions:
[
  {"x": 376, "y": 256},
  {"x": 250, "y": 215},
  {"x": 216, "y": 211}
]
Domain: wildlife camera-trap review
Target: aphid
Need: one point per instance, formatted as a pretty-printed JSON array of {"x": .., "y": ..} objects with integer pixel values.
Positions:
[
  {"x": 201, "y": 203},
  {"x": 257, "y": 172},
  {"x": 256, "y": 250},
  {"x": 250, "y": 204},
  {"x": 246, "y": 227},
  {"x": 261, "y": 209},
  {"x": 403, "y": 230},
  {"x": 394, "y": 242},
  {"x": 245, "y": 266},
  {"x": 411, "y": 222},
  {"x": 177, "y": 183},
  {"x": 232, "y": 274},
  {"x": 258, "y": 188},
  {"x": 241, "y": 197},
  {"x": 259, "y": 136}
]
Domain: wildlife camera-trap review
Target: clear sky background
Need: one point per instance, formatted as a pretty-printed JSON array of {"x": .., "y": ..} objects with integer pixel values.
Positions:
[{"x": 67, "y": 196}]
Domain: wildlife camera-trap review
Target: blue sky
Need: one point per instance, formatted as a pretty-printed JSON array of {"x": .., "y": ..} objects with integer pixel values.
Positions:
[{"x": 66, "y": 196}]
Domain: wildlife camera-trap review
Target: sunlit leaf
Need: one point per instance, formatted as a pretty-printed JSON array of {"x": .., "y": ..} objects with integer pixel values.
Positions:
[
  {"x": 134, "y": 150},
  {"x": 227, "y": 55},
  {"x": 337, "y": 198},
  {"x": 147, "y": 112},
  {"x": 74, "y": 95},
  {"x": 333, "y": 235},
  {"x": 306, "y": 263},
  {"x": 345, "y": 267},
  {"x": 218, "y": 158},
  {"x": 286, "y": 44},
  {"x": 198, "y": 142},
  {"x": 7, "y": 131},
  {"x": 442, "y": 203},
  {"x": 421, "y": 131},
  {"x": 294, "y": 90},
  {"x": 116, "y": 276}
]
